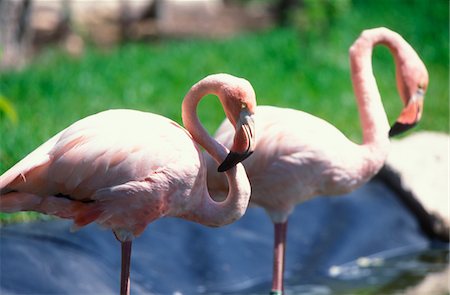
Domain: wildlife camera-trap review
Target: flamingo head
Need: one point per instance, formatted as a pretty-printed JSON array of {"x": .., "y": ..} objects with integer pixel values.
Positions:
[
  {"x": 412, "y": 83},
  {"x": 239, "y": 101}
]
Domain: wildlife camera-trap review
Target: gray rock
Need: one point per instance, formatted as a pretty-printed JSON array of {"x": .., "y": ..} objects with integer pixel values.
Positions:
[{"x": 418, "y": 167}]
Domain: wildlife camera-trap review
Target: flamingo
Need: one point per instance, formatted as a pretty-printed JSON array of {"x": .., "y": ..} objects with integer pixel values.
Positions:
[
  {"x": 300, "y": 156},
  {"x": 125, "y": 168}
]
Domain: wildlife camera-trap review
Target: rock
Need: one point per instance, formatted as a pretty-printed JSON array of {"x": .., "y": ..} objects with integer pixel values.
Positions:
[
  {"x": 418, "y": 165},
  {"x": 434, "y": 283}
]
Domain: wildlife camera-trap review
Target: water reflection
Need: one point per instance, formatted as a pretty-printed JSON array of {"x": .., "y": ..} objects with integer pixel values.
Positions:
[
  {"x": 421, "y": 273},
  {"x": 377, "y": 275}
]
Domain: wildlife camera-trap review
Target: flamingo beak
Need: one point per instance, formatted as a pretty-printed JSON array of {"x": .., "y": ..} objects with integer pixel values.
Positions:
[
  {"x": 410, "y": 115},
  {"x": 244, "y": 141}
]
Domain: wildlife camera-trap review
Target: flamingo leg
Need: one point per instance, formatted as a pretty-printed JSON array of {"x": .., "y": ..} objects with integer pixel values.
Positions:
[
  {"x": 278, "y": 258},
  {"x": 125, "y": 271}
]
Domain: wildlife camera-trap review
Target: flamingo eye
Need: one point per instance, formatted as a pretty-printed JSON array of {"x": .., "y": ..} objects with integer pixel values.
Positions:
[
  {"x": 421, "y": 86},
  {"x": 243, "y": 105}
]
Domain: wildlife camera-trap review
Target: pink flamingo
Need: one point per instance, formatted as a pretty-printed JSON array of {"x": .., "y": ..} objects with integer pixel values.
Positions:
[
  {"x": 123, "y": 168},
  {"x": 299, "y": 156}
]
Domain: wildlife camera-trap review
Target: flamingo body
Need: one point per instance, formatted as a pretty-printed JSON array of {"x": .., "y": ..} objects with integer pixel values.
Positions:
[
  {"x": 287, "y": 168},
  {"x": 109, "y": 168},
  {"x": 125, "y": 168}
]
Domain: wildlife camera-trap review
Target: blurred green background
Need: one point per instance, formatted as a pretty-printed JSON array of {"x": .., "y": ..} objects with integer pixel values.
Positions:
[{"x": 300, "y": 62}]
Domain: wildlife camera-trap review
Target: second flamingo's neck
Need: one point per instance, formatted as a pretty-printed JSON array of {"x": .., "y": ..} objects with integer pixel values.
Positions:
[{"x": 373, "y": 118}]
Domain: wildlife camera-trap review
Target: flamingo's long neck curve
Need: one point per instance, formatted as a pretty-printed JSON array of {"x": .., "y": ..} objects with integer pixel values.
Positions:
[
  {"x": 373, "y": 117},
  {"x": 211, "y": 212}
]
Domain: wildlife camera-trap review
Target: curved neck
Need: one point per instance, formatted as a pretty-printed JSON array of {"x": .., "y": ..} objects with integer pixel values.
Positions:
[
  {"x": 373, "y": 118},
  {"x": 208, "y": 211},
  {"x": 374, "y": 122},
  {"x": 192, "y": 123}
]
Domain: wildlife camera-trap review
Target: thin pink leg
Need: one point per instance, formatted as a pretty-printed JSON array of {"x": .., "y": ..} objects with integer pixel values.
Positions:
[
  {"x": 125, "y": 272},
  {"x": 278, "y": 258}
]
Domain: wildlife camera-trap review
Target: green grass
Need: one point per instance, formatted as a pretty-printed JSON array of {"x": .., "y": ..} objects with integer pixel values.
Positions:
[{"x": 285, "y": 68}]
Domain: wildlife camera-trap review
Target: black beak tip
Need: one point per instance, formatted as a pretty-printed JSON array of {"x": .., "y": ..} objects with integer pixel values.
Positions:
[
  {"x": 223, "y": 168},
  {"x": 399, "y": 128},
  {"x": 232, "y": 160}
]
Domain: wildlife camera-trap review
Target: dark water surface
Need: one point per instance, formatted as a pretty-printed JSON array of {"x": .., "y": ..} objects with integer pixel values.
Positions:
[{"x": 366, "y": 242}]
